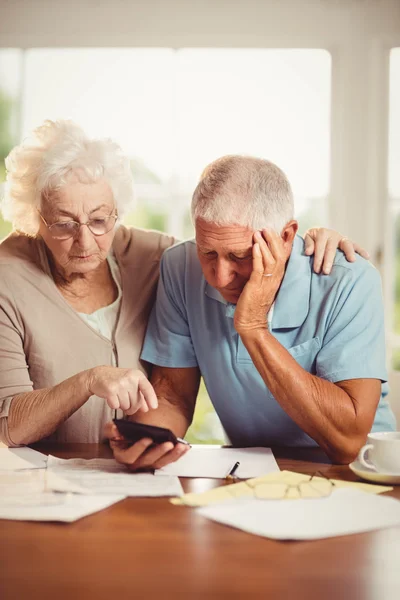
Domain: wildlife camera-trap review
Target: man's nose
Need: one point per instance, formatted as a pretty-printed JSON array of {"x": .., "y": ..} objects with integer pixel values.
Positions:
[{"x": 224, "y": 273}]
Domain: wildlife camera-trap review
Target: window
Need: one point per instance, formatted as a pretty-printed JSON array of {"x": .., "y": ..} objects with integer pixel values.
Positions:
[
  {"x": 10, "y": 89},
  {"x": 174, "y": 111},
  {"x": 394, "y": 194}
]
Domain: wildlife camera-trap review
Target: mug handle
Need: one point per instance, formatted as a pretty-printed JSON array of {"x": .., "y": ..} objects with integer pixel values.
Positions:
[{"x": 364, "y": 461}]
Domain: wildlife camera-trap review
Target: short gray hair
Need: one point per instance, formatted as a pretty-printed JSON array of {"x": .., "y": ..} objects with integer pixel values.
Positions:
[
  {"x": 46, "y": 160},
  {"x": 242, "y": 190}
]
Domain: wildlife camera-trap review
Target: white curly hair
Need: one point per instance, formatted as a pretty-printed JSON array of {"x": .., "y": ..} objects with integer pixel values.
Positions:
[{"x": 48, "y": 158}]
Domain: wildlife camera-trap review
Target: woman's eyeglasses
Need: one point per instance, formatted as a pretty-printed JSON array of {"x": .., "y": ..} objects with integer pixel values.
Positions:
[{"x": 63, "y": 230}]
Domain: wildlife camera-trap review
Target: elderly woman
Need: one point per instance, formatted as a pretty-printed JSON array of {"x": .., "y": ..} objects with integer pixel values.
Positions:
[{"x": 76, "y": 289}]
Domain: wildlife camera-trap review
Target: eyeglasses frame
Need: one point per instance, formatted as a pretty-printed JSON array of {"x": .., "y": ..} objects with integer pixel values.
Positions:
[{"x": 110, "y": 216}]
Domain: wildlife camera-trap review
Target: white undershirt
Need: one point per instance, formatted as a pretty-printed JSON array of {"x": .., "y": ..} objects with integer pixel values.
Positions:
[{"x": 104, "y": 320}]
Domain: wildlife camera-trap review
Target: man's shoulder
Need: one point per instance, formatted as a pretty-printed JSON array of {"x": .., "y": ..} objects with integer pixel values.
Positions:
[
  {"x": 180, "y": 266},
  {"x": 360, "y": 269},
  {"x": 178, "y": 257},
  {"x": 181, "y": 250},
  {"x": 359, "y": 280}
]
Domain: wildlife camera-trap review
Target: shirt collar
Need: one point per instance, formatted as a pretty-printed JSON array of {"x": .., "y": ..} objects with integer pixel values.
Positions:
[{"x": 292, "y": 301}]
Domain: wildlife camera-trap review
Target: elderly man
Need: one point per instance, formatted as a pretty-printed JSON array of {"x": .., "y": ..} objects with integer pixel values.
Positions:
[{"x": 288, "y": 357}]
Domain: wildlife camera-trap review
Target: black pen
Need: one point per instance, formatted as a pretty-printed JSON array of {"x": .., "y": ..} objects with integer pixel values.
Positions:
[{"x": 231, "y": 474}]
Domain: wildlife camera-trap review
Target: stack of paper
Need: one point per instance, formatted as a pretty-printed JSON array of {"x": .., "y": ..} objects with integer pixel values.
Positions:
[
  {"x": 344, "y": 512},
  {"x": 216, "y": 462},
  {"x": 70, "y": 489},
  {"x": 106, "y": 476},
  {"x": 67, "y": 508},
  {"x": 40, "y": 496},
  {"x": 12, "y": 459}
]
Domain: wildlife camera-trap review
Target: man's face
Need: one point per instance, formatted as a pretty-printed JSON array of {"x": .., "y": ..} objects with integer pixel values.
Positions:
[{"x": 225, "y": 254}]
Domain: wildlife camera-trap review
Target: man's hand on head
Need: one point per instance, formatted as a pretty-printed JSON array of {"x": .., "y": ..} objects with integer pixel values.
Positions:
[{"x": 258, "y": 295}]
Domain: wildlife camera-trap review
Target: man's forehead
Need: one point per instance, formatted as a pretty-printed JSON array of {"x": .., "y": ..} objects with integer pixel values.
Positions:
[{"x": 211, "y": 233}]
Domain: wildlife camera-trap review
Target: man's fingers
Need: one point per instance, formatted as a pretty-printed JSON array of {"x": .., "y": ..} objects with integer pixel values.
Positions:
[
  {"x": 152, "y": 456},
  {"x": 257, "y": 259},
  {"x": 111, "y": 431},
  {"x": 308, "y": 245},
  {"x": 273, "y": 243},
  {"x": 129, "y": 456},
  {"x": 178, "y": 451},
  {"x": 148, "y": 392},
  {"x": 267, "y": 256}
]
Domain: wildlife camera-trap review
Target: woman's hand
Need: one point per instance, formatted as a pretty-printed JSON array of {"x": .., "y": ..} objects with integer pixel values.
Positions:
[
  {"x": 324, "y": 243},
  {"x": 127, "y": 389},
  {"x": 138, "y": 456}
]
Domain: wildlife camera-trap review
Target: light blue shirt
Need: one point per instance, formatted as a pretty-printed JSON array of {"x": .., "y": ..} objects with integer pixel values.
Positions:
[{"x": 331, "y": 324}]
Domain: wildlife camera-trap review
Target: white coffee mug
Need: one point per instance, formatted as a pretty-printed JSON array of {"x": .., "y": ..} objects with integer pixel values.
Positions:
[{"x": 383, "y": 451}]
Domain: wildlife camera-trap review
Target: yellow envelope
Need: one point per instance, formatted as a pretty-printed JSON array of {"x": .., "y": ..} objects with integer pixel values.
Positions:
[{"x": 245, "y": 488}]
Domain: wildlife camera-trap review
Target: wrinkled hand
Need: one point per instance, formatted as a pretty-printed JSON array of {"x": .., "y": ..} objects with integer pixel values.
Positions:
[
  {"x": 257, "y": 297},
  {"x": 324, "y": 243},
  {"x": 127, "y": 389},
  {"x": 137, "y": 456}
]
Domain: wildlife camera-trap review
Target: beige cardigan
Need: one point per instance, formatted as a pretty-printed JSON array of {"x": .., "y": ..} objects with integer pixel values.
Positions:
[{"x": 43, "y": 340}]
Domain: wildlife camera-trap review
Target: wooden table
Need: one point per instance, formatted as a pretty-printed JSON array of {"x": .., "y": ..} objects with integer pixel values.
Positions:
[{"x": 148, "y": 548}]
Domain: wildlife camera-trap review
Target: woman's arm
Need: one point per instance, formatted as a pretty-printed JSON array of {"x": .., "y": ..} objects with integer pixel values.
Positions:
[{"x": 37, "y": 414}]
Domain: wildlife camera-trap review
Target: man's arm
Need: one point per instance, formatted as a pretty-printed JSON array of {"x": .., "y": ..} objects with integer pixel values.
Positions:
[
  {"x": 338, "y": 416},
  {"x": 176, "y": 390}
]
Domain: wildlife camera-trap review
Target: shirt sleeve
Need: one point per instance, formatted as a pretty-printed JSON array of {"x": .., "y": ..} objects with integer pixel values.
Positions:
[
  {"x": 168, "y": 342},
  {"x": 354, "y": 343},
  {"x": 14, "y": 373}
]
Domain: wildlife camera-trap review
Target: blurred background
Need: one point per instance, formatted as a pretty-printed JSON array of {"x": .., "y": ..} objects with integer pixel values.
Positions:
[{"x": 313, "y": 85}]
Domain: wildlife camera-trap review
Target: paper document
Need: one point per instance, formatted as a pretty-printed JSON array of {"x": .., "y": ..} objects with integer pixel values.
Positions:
[
  {"x": 37, "y": 459},
  {"x": 106, "y": 476},
  {"x": 244, "y": 489},
  {"x": 26, "y": 484},
  {"x": 344, "y": 512},
  {"x": 31, "y": 495},
  {"x": 58, "y": 507},
  {"x": 12, "y": 459},
  {"x": 216, "y": 462}
]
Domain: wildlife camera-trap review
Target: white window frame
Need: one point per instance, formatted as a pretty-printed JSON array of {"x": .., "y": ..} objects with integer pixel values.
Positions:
[{"x": 358, "y": 198}]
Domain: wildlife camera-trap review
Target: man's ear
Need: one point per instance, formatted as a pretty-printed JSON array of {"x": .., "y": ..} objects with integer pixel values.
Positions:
[{"x": 288, "y": 234}]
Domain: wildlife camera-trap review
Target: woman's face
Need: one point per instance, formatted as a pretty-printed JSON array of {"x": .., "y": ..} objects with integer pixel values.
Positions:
[{"x": 79, "y": 202}]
